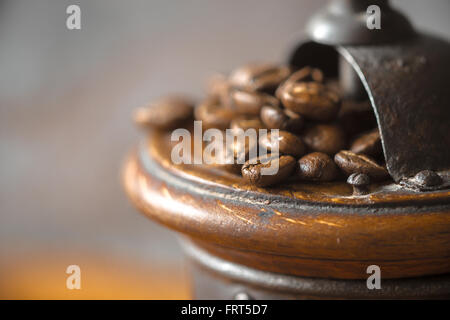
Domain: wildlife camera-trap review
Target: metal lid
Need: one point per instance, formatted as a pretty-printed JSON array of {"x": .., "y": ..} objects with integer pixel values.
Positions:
[
  {"x": 404, "y": 74},
  {"x": 345, "y": 22}
]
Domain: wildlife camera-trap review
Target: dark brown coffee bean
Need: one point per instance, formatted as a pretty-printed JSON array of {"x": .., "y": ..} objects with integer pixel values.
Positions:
[
  {"x": 350, "y": 162},
  {"x": 239, "y": 149},
  {"x": 283, "y": 119},
  {"x": 233, "y": 168},
  {"x": 213, "y": 115},
  {"x": 317, "y": 166},
  {"x": 245, "y": 124},
  {"x": 368, "y": 143},
  {"x": 326, "y": 138},
  {"x": 288, "y": 143},
  {"x": 245, "y": 148},
  {"x": 310, "y": 99},
  {"x": 241, "y": 100},
  {"x": 355, "y": 117},
  {"x": 218, "y": 87},
  {"x": 250, "y": 103},
  {"x": 252, "y": 170},
  {"x": 259, "y": 77},
  {"x": 306, "y": 74},
  {"x": 166, "y": 113},
  {"x": 333, "y": 85},
  {"x": 219, "y": 161}
]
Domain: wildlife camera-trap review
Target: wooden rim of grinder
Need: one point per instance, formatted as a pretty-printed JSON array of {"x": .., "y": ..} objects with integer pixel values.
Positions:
[{"x": 321, "y": 230}]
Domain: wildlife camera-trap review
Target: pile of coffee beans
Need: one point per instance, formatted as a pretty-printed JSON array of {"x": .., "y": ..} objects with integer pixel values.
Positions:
[{"x": 321, "y": 136}]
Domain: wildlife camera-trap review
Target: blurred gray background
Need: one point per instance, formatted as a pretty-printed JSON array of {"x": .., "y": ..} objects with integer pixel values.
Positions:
[{"x": 65, "y": 102}]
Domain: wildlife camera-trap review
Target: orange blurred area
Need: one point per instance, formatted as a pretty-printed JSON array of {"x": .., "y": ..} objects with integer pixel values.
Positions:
[{"x": 102, "y": 277}]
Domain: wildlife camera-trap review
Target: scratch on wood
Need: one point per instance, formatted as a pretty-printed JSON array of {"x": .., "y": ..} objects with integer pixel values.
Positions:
[
  {"x": 278, "y": 213},
  {"x": 220, "y": 204},
  {"x": 329, "y": 223}
]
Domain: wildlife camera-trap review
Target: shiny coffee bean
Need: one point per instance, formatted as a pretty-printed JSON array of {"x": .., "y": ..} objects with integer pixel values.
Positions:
[
  {"x": 283, "y": 119},
  {"x": 239, "y": 148},
  {"x": 259, "y": 77},
  {"x": 310, "y": 99},
  {"x": 245, "y": 124},
  {"x": 326, "y": 138},
  {"x": 333, "y": 85},
  {"x": 213, "y": 115},
  {"x": 356, "y": 117},
  {"x": 233, "y": 168},
  {"x": 219, "y": 161},
  {"x": 219, "y": 88},
  {"x": 306, "y": 74},
  {"x": 252, "y": 170},
  {"x": 244, "y": 148},
  {"x": 250, "y": 103},
  {"x": 288, "y": 143},
  {"x": 317, "y": 166},
  {"x": 350, "y": 162},
  {"x": 167, "y": 113},
  {"x": 368, "y": 143}
]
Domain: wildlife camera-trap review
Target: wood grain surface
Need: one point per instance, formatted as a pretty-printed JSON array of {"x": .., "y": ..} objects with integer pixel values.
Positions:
[{"x": 321, "y": 233}]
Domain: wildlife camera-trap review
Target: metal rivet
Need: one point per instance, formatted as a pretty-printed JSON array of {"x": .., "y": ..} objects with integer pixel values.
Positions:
[
  {"x": 360, "y": 182},
  {"x": 427, "y": 178}
]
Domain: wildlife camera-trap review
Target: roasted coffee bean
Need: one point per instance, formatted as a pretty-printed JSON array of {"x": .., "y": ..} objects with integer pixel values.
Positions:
[
  {"x": 326, "y": 138},
  {"x": 283, "y": 119},
  {"x": 213, "y": 115},
  {"x": 219, "y": 88},
  {"x": 356, "y": 117},
  {"x": 360, "y": 182},
  {"x": 317, "y": 166},
  {"x": 333, "y": 85},
  {"x": 245, "y": 124},
  {"x": 350, "y": 162},
  {"x": 259, "y": 77},
  {"x": 288, "y": 143},
  {"x": 252, "y": 169},
  {"x": 219, "y": 161},
  {"x": 306, "y": 74},
  {"x": 233, "y": 168},
  {"x": 245, "y": 148},
  {"x": 368, "y": 143},
  {"x": 166, "y": 113},
  {"x": 310, "y": 99},
  {"x": 250, "y": 103},
  {"x": 239, "y": 148}
]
